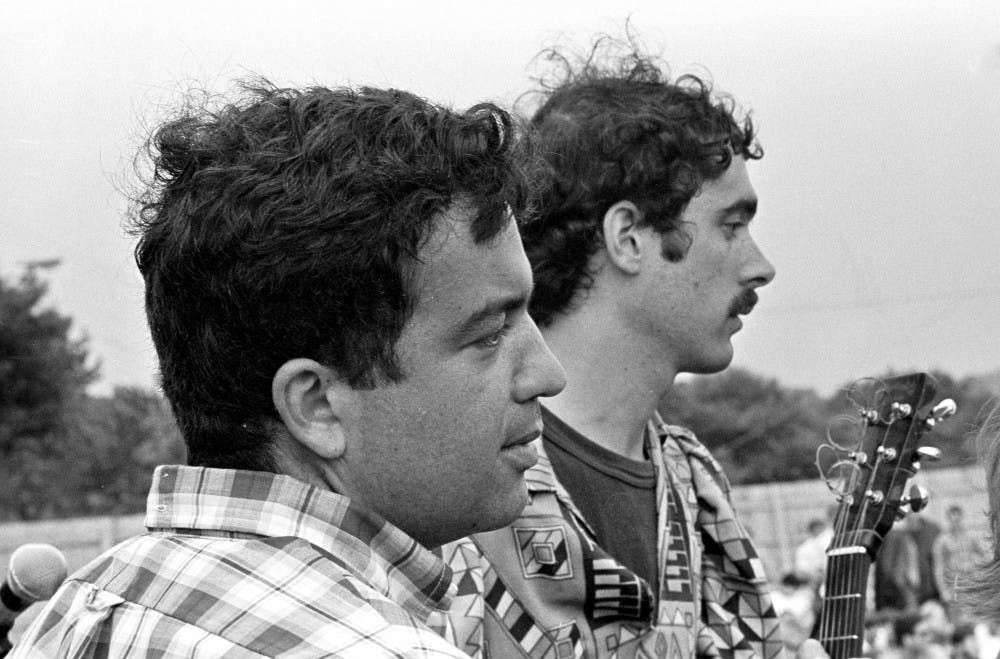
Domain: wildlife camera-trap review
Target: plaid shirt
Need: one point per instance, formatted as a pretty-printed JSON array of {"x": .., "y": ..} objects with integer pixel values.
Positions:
[{"x": 248, "y": 564}]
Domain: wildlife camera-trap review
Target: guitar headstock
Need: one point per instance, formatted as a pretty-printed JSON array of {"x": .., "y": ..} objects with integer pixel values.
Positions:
[{"x": 872, "y": 453}]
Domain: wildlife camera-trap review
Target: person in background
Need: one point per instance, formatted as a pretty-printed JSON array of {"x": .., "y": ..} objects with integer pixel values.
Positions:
[
  {"x": 338, "y": 296},
  {"x": 977, "y": 590},
  {"x": 964, "y": 642},
  {"x": 810, "y": 559},
  {"x": 955, "y": 552},
  {"x": 795, "y": 603},
  {"x": 897, "y": 573},
  {"x": 810, "y": 554},
  {"x": 924, "y": 533}
]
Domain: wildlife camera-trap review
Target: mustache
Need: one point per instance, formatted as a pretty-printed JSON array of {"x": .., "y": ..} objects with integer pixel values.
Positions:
[{"x": 744, "y": 303}]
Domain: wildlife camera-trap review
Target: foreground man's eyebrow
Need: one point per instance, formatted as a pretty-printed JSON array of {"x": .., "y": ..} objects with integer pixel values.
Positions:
[
  {"x": 746, "y": 207},
  {"x": 503, "y": 305}
]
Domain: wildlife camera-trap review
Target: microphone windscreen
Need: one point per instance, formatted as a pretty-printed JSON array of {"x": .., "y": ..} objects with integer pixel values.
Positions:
[{"x": 36, "y": 571}]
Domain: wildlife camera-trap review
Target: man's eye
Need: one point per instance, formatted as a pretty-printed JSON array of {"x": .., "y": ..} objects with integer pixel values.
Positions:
[
  {"x": 730, "y": 228},
  {"x": 494, "y": 339}
]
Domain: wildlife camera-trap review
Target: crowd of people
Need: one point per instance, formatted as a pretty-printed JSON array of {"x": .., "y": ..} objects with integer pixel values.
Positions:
[{"x": 915, "y": 600}]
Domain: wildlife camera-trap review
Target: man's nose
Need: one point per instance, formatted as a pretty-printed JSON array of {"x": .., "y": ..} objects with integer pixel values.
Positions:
[{"x": 541, "y": 374}]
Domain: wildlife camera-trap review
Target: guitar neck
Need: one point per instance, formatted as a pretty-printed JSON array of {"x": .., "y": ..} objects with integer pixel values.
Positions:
[
  {"x": 842, "y": 622},
  {"x": 867, "y": 460}
]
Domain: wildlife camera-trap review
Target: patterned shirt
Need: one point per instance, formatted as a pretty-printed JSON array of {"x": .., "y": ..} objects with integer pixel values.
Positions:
[
  {"x": 243, "y": 564},
  {"x": 544, "y": 588}
]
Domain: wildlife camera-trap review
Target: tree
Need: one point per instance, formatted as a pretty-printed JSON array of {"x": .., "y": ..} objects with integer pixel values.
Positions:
[
  {"x": 119, "y": 440},
  {"x": 955, "y": 437},
  {"x": 42, "y": 371},
  {"x": 973, "y": 396},
  {"x": 62, "y": 451},
  {"x": 759, "y": 430}
]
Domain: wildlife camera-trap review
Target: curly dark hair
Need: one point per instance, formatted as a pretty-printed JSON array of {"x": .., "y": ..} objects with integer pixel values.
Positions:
[
  {"x": 614, "y": 127},
  {"x": 288, "y": 224}
]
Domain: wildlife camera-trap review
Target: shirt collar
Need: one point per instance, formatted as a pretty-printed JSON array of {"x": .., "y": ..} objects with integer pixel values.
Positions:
[
  {"x": 275, "y": 505},
  {"x": 541, "y": 477}
]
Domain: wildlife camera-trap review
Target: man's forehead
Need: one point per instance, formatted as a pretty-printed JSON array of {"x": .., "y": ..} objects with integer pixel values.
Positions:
[
  {"x": 458, "y": 221},
  {"x": 730, "y": 190},
  {"x": 452, "y": 266}
]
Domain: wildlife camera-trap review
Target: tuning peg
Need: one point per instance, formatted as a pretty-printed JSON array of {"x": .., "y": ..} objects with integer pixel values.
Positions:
[
  {"x": 918, "y": 499},
  {"x": 888, "y": 454},
  {"x": 928, "y": 452},
  {"x": 900, "y": 410},
  {"x": 940, "y": 412}
]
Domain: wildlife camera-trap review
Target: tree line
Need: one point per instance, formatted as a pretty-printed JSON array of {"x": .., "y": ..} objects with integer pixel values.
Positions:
[
  {"x": 66, "y": 452},
  {"x": 762, "y": 431}
]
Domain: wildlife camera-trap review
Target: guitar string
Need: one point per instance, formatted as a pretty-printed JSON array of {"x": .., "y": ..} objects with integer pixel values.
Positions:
[
  {"x": 835, "y": 578},
  {"x": 849, "y": 570},
  {"x": 854, "y": 622}
]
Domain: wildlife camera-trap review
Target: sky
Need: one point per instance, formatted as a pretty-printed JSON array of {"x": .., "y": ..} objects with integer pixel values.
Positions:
[{"x": 879, "y": 190}]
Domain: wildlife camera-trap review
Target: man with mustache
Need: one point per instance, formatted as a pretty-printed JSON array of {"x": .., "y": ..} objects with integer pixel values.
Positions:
[
  {"x": 644, "y": 262},
  {"x": 338, "y": 295}
]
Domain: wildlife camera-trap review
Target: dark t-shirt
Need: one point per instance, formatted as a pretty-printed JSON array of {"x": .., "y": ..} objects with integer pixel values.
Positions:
[{"x": 616, "y": 495}]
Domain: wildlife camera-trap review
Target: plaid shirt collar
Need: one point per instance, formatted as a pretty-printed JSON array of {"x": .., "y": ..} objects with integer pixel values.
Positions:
[{"x": 274, "y": 505}]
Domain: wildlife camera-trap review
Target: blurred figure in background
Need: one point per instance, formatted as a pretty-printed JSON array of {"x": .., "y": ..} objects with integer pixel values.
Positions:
[
  {"x": 964, "y": 642},
  {"x": 897, "y": 575},
  {"x": 955, "y": 552},
  {"x": 977, "y": 590},
  {"x": 914, "y": 639},
  {"x": 810, "y": 560},
  {"x": 810, "y": 554},
  {"x": 924, "y": 533},
  {"x": 795, "y": 602}
]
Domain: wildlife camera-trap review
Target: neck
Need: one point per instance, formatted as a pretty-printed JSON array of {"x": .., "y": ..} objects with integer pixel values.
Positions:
[
  {"x": 613, "y": 387},
  {"x": 841, "y": 627}
]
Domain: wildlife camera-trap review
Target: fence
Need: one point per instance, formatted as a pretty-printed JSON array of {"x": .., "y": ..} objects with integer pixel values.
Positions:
[{"x": 776, "y": 515}]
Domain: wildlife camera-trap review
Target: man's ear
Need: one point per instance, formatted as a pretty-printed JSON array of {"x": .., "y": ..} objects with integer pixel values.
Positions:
[
  {"x": 623, "y": 241},
  {"x": 311, "y": 398}
]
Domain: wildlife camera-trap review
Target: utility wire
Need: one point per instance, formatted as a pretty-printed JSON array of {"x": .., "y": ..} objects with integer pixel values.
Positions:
[{"x": 889, "y": 302}]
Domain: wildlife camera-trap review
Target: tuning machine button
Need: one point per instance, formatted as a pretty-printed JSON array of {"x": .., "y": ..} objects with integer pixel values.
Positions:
[
  {"x": 940, "y": 412},
  {"x": 875, "y": 496},
  {"x": 925, "y": 453},
  {"x": 900, "y": 410},
  {"x": 918, "y": 498},
  {"x": 928, "y": 452},
  {"x": 887, "y": 454}
]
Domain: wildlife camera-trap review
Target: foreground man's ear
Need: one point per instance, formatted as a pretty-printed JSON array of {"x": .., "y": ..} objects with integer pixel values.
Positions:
[
  {"x": 310, "y": 399},
  {"x": 623, "y": 242}
]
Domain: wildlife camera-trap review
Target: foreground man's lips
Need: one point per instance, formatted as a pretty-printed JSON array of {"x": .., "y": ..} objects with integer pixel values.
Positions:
[
  {"x": 520, "y": 452},
  {"x": 526, "y": 438}
]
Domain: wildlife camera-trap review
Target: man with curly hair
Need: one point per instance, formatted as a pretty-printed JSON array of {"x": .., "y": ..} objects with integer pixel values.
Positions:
[
  {"x": 338, "y": 296},
  {"x": 644, "y": 263}
]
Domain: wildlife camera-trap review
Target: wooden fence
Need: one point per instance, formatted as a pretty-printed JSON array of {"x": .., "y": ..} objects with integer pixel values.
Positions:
[{"x": 776, "y": 515}]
